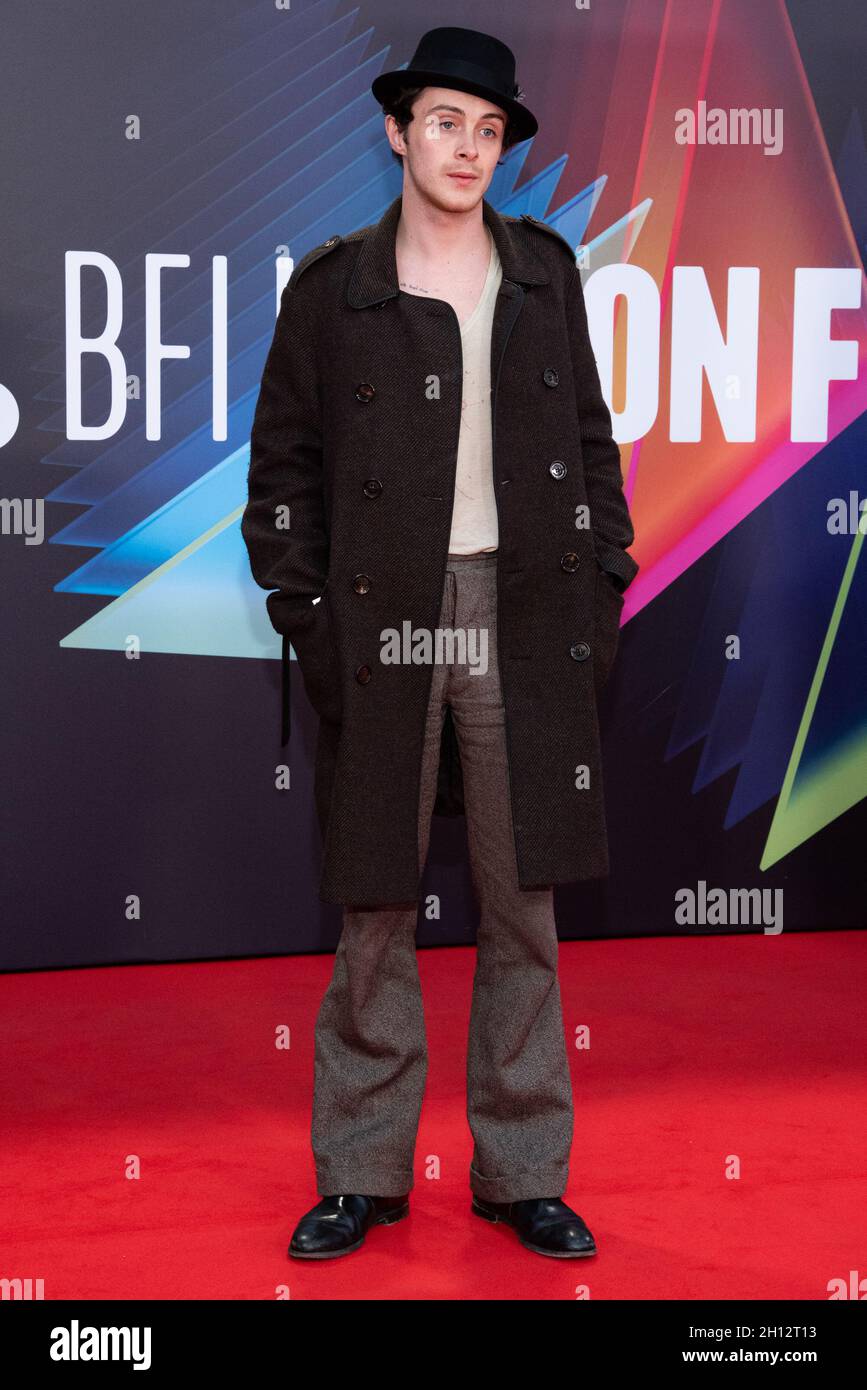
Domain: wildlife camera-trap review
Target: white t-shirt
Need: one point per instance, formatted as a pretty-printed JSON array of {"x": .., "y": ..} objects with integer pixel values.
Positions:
[{"x": 474, "y": 516}]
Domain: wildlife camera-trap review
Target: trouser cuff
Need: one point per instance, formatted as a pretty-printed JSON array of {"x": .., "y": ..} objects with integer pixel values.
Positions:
[
  {"x": 517, "y": 1187},
  {"x": 370, "y": 1182}
]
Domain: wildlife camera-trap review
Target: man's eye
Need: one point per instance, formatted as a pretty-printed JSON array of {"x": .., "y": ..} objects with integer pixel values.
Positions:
[{"x": 446, "y": 122}]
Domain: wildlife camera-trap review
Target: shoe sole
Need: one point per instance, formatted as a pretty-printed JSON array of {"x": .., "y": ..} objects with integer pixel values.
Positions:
[
  {"x": 494, "y": 1219},
  {"x": 388, "y": 1218}
]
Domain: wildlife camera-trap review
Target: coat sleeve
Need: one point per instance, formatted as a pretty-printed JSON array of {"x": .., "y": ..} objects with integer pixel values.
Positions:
[
  {"x": 609, "y": 513},
  {"x": 283, "y": 524}
]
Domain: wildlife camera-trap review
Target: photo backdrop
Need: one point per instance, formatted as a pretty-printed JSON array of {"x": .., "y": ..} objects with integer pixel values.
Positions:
[{"x": 706, "y": 159}]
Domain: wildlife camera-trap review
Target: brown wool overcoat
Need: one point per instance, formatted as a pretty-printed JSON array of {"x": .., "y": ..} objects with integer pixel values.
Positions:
[{"x": 351, "y": 485}]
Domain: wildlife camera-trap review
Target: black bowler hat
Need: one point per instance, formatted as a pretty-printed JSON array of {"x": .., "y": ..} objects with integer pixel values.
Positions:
[{"x": 468, "y": 61}]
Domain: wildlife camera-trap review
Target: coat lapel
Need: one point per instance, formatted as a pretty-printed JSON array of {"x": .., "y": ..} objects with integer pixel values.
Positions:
[{"x": 374, "y": 278}]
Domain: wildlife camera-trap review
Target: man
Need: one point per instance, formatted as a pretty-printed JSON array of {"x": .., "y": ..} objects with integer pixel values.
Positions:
[{"x": 431, "y": 454}]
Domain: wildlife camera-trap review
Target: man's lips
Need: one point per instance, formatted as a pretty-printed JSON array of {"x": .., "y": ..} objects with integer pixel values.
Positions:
[{"x": 465, "y": 178}]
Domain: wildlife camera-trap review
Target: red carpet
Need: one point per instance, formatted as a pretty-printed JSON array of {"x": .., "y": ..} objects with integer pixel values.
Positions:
[{"x": 702, "y": 1048}]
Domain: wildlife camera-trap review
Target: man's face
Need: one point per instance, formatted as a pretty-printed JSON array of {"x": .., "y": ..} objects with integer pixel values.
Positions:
[{"x": 451, "y": 133}]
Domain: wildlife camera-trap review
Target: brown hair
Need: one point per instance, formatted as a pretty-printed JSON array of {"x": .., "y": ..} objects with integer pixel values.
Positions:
[{"x": 400, "y": 107}]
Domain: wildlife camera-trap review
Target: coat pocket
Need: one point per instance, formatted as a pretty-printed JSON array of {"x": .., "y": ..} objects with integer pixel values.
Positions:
[
  {"x": 607, "y": 607},
  {"x": 317, "y": 657}
]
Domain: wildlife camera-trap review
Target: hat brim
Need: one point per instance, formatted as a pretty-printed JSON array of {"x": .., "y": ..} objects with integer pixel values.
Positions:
[{"x": 523, "y": 121}]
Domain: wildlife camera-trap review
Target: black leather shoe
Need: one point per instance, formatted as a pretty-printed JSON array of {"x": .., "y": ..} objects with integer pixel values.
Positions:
[
  {"x": 544, "y": 1224},
  {"x": 338, "y": 1224}
]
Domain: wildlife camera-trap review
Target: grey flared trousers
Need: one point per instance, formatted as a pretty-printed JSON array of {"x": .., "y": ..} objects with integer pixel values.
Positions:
[{"x": 370, "y": 1055}]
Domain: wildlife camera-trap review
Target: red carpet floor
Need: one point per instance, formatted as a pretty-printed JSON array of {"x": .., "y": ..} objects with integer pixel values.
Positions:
[{"x": 705, "y": 1051}]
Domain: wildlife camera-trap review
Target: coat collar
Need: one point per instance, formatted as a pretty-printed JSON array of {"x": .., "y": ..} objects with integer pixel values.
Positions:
[{"x": 375, "y": 275}]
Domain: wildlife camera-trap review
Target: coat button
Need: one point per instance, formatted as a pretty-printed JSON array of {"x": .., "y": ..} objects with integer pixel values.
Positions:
[
  {"x": 361, "y": 583},
  {"x": 362, "y": 675},
  {"x": 550, "y": 377},
  {"x": 569, "y": 562},
  {"x": 580, "y": 651},
  {"x": 372, "y": 488},
  {"x": 365, "y": 392},
  {"x": 557, "y": 469}
]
